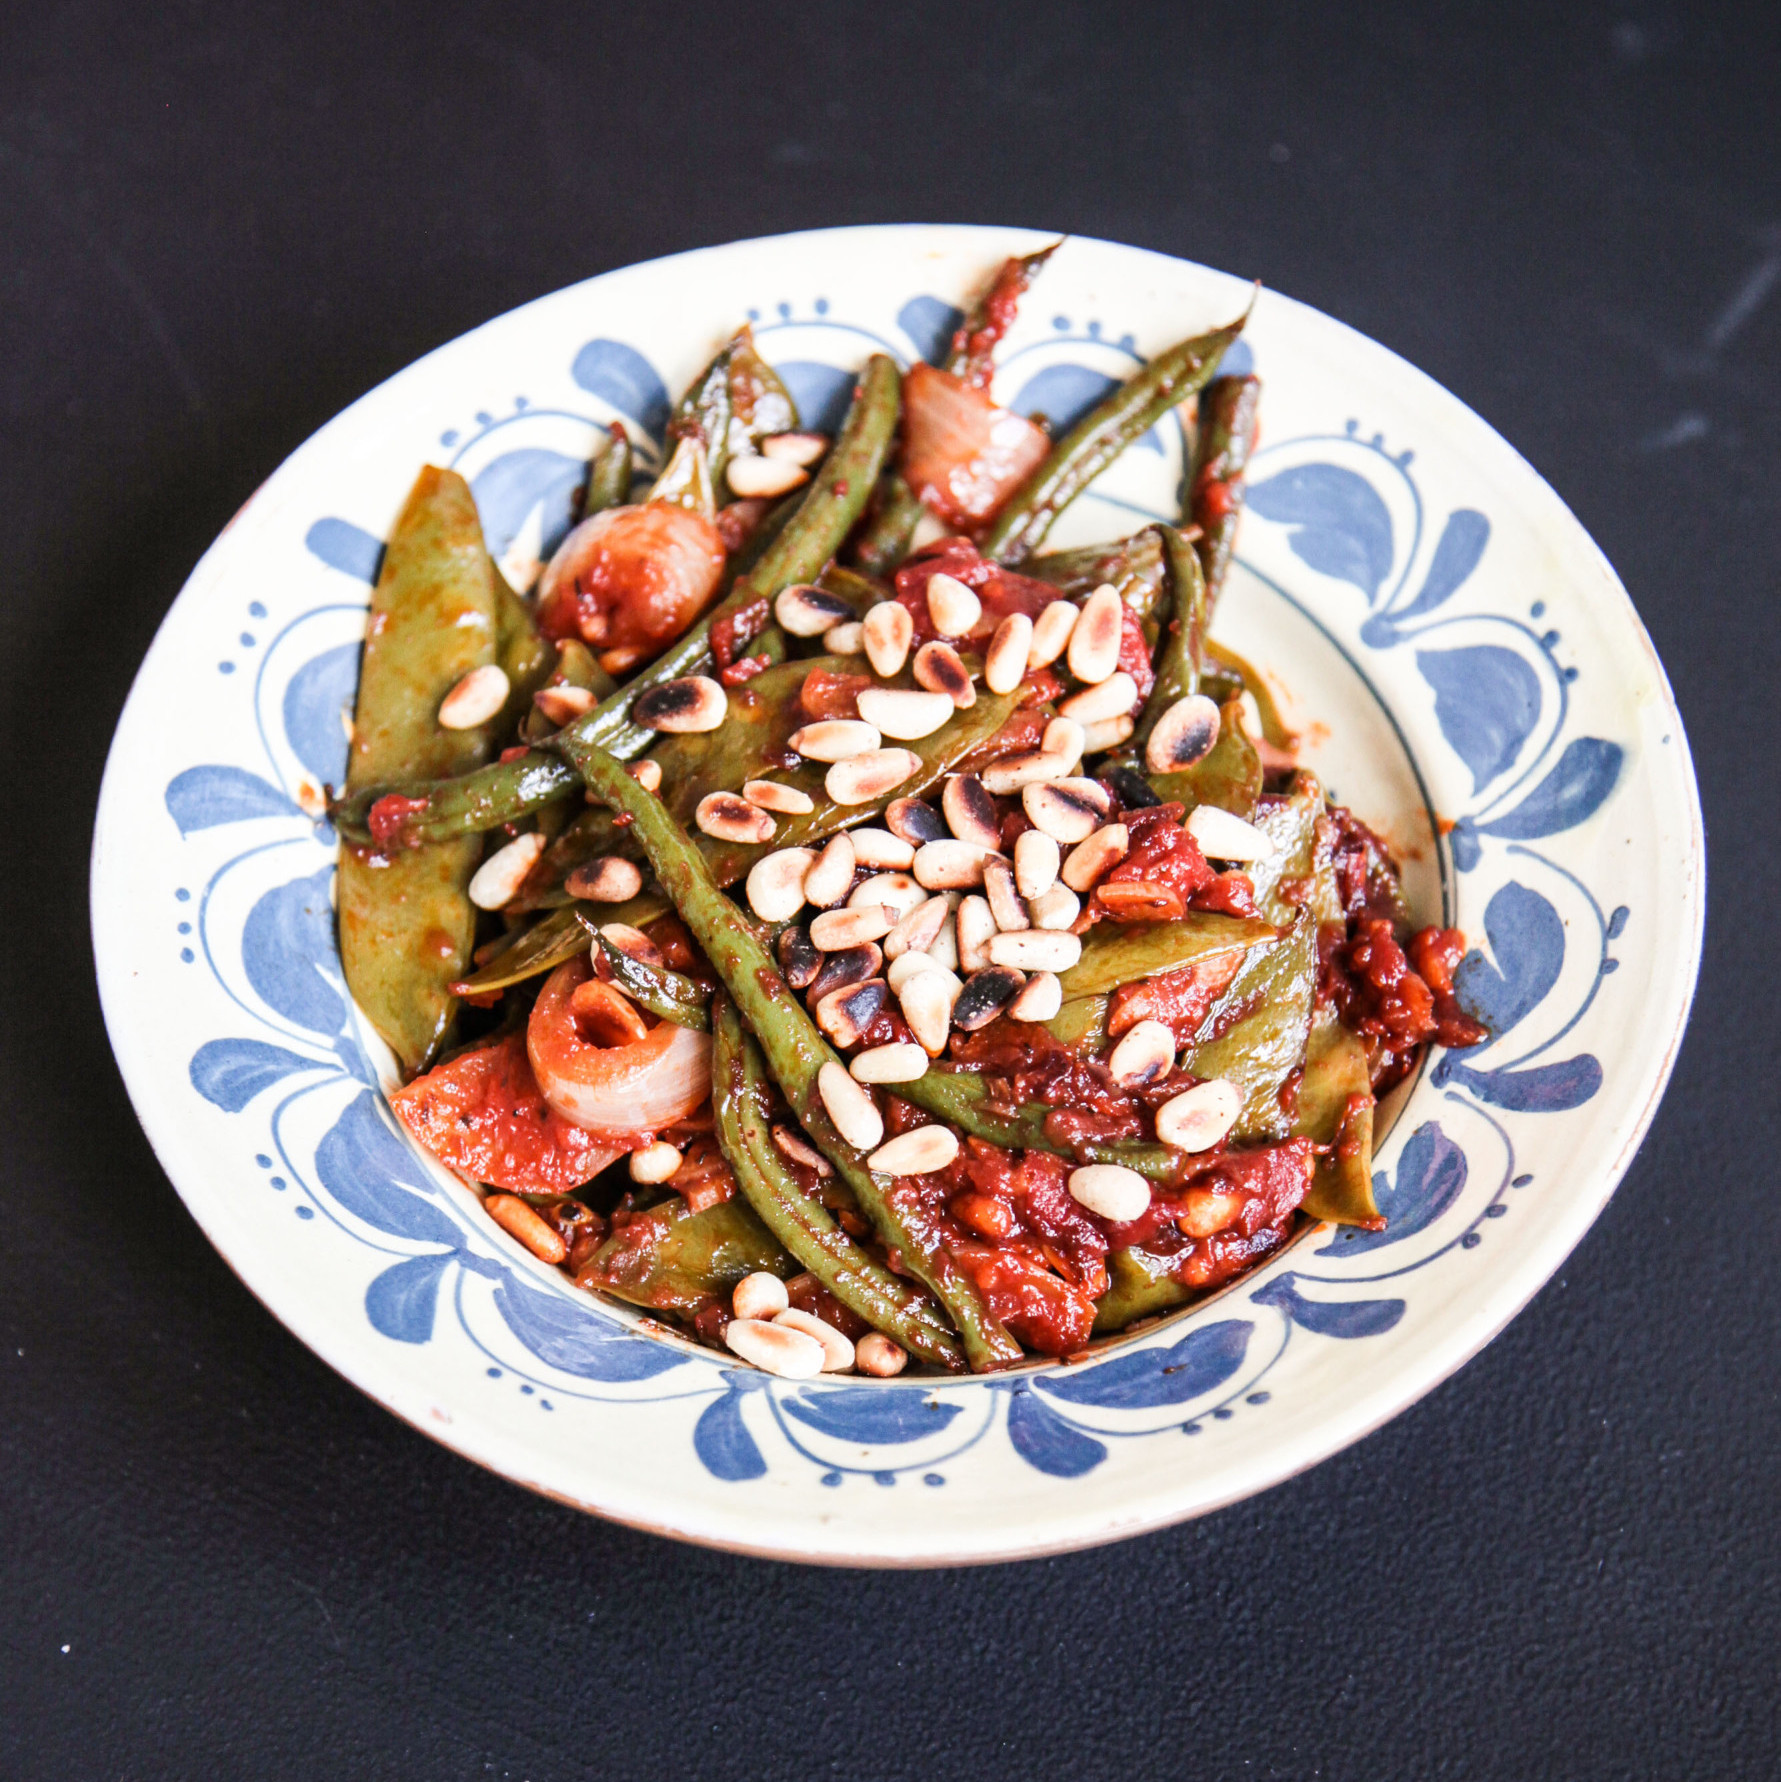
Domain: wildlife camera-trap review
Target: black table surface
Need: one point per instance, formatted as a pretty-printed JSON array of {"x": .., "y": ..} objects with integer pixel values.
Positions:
[{"x": 217, "y": 228}]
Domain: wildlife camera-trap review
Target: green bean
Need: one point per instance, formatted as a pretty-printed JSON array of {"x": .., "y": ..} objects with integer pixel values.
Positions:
[
  {"x": 1099, "y": 437},
  {"x": 1227, "y": 437},
  {"x": 795, "y": 1050},
  {"x": 1178, "y": 662},
  {"x": 672, "y": 1259},
  {"x": 1135, "y": 566},
  {"x": 970, "y": 353},
  {"x": 669, "y": 995},
  {"x": 555, "y": 940},
  {"x": 609, "y": 477},
  {"x": 739, "y": 1099},
  {"x": 883, "y": 543},
  {"x": 1140, "y": 1286}
]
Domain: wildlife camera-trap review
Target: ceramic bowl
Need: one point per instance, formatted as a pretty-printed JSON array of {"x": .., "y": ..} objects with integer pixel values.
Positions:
[{"x": 1466, "y": 670}]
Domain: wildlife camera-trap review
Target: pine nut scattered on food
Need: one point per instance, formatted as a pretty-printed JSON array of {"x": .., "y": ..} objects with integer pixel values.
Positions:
[
  {"x": 691, "y": 704},
  {"x": 1005, "y": 666},
  {"x": 826, "y": 882},
  {"x": 867, "y": 777},
  {"x": 1099, "y": 854},
  {"x": 985, "y": 995},
  {"x": 478, "y": 697},
  {"x": 771, "y": 795},
  {"x": 879, "y": 848},
  {"x": 916, "y": 1153},
  {"x": 904, "y": 713},
  {"x": 877, "y": 1355},
  {"x": 926, "y": 998},
  {"x": 1004, "y": 901},
  {"x": 563, "y": 705},
  {"x": 970, "y": 811},
  {"x": 801, "y": 449},
  {"x": 846, "y": 639},
  {"x": 835, "y": 739},
  {"x": 1142, "y": 1054},
  {"x": 900, "y": 1062},
  {"x": 647, "y": 774},
  {"x": 1035, "y": 949},
  {"x": 944, "y": 947},
  {"x": 1036, "y": 860},
  {"x": 1200, "y": 1117},
  {"x": 950, "y": 865},
  {"x": 1119, "y": 1195},
  {"x": 1040, "y": 1000},
  {"x": 1015, "y": 772},
  {"x": 908, "y": 964},
  {"x": 1057, "y": 907},
  {"x": 633, "y": 943},
  {"x": 976, "y": 928},
  {"x": 1094, "y": 643},
  {"x": 799, "y": 961},
  {"x": 1051, "y": 633},
  {"x": 1066, "y": 739},
  {"x": 654, "y": 1163},
  {"x": 528, "y": 1225},
  {"x": 897, "y": 892},
  {"x": 918, "y": 929},
  {"x": 1058, "y": 809},
  {"x": 806, "y": 610},
  {"x": 794, "y": 1145},
  {"x": 952, "y": 606},
  {"x": 775, "y": 884},
  {"x": 729, "y": 818},
  {"x": 1224, "y": 836},
  {"x": 856, "y": 1118},
  {"x": 914, "y": 820},
  {"x": 498, "y": 878},
  {"x": 1184, "y": 735},
  {"x": 775, "y": 1348},
  {"x": 608, "y": 880},
  {"x": 938, "y": 668},
  {"x": 847, "y": 965},
  {"x": 844, "y": 1015},
  {"x": 759, "y": 1295},
  {"x": 1109, "y": 733},
  {"x": 750, "y": 474},
  {"x": 837, "y": 1349},
  {"x": 835, "y": 929},
  {"x": 1112, "y": 698},
  {"x": 889, "y": 631}
]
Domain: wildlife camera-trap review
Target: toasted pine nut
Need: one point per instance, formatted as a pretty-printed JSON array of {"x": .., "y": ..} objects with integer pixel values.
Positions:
[
  {"x": 1005, "y": 666},
  {"x": 1036, "y": 949},
  {"x": 1200, "y": 1117},
  {"x": 856, "y": 1117},
  {"x": 729, "y": 818},
  {"x": 619, "y": 662},
  {"x": 647, "y": 774},
  {"x": 654, "y": 1163},
  {"x": 903, "y": 713},
  {"x": 826, "y": 882},
  {"x": 910, "y": 962},
  {"x": 530, "y": 1227},
  {"x": 845, "y": 967},
  {"x": 801, "y": 449},
  {"x": 1094, "y": 643},
  {"x": 1057, "y": 908},
  {"x": 1040, "y": 1000},
  {"x": 899, "y": 1062},
  {"x": 694, "y": 703},
  {"x": 633, "y": 943},
  {"x": 1184, "y": 734},
  {"x": 926, "y": 998},
  {"x": 775, "y": 883},
  {"x": 1227, "y": 837},
  {"x": 889, "y": 631},
  {"x": 1108, "y": 734},
  {"x": 867, "y": 777},
  {"x": 938, "y": 668},
  {"x": 952, "y": 606},
  {"x": 1112, "y": 698},
  {"x": 1099, "y": 854},
  {"x": 845, "y": 1014},
  {"x": 877, "y": 1355},
  {"x": 748, "y": 474},
  {"x": 499, "y": 877},
  {"x": 879, "y": 848},
  {"x": 894, "y": 891},
  {"x": 917, "y": 1153},
  {"x": 985, "y": 995},
  {"x": 944, "y": 947},
  {"x": 1144, "y": 1053},
  {"x": 1036, "y": 860},
  {"x": 1062, "y": 810},
  {"x": 770, "y": 795},
  {"x": 1004, "y": 901},
  {"x": 799, "y": 961},
  {"x": 950, "y": 865},
  {"x": 774, "y": 1348},
  {"x": 1119, "y": 1195},
  {"x": 915, "y": 821},
  {"x": 478, "y": 697},
  {"x": 606, "y": 1015},
  {"x": 846, "y": 639},
  {"x": 970, "y": 811},
  {"x": 837, "y": 1349},
  {"x": 609, "y": 880},
  {"x": 835, "y": 929},
  {"x": 759, "y": 1295},
  {"x": 806, "y": 610},
  {"x": 835, "y": 739},
  {"x": 976, "y": 927},
  {"x": 1051, "y": 633},
  {"x": 1066, "y": 739},
  {"x": 1013, "y": 773},
  {"x": 795, "y": 1146}
]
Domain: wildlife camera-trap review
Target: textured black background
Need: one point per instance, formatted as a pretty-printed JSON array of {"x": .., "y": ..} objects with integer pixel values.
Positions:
[{"x": 216, "y": 230}]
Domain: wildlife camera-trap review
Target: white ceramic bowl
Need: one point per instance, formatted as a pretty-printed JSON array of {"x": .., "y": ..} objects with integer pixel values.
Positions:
[{"x": 1469, "y": 674}]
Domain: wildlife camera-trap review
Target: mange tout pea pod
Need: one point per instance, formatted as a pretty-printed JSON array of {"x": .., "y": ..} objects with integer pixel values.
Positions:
[
  {"x": 524, "y": 653},
  {"x": 1136, "y": 567},
  {"x": 1099, "y": 437},
  {"x": 674, "y": 1260},
  {"x": 667, "y": 994},
  {"x": 1229, "y": 777},
  {"x": 733, "y": 404},
  {"x": 739, "y": 1100},
  {"x": 686, "y": 480},
  {"x": 794, "y": 1049},
  {"x": 406, "y": 921},
  {"x": 1336, "y": 1109},
  {"x": 552, "y": 941},
  {"x": 1228, "y": 409},
  {"x": 1184, "y": 638},
  {"x": 1139, "y": 1286}
]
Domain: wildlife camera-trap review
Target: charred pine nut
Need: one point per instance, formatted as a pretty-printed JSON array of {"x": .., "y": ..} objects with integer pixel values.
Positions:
[
  {"x": 1112, "y": 698},
  {"x": 952, "y": 606},
  {"x": 654, "y": 1163},
  {"x": 1227, "y": 837},
  {"x": 900, "y": 1062},
  {"x": 938, "y": 668},
  {"x": 1036, "y": 860},
  {"x": 531, "y": 1228},
  {"x": 799, "y": 961},
  {"x": 845, "y": 1014},
  {"x": 985, "y": 995},
  {"x": 795, "y": 1146},
  {"x": 879, "y": 848},
  {"x": 1094, "y": 643},
  {"x": 759, "y": 1295},
  {"x": 1143, "y": 1053},
  {"x": 1004, "y": 901},
  {"x": 801, "y": 449},
  {"x": 894, "y": 891},
  {"x": 1183, "y": 736},
  {"x": 1035, "y": 949},
  {"x": 1040, "y": 1000},
  {"x": 774, "y": 1348},
  {"x": 478, "y": 697},
  {"x": 837, "y": 1349},
  {"x": 915, "y": 821},
  {"x": 846, "y": 966},
  {"x": 903, "y": 713},
  {"x": 499, "y": 877},
  {"x": 750, "y": 474},
  {"x": 770, "y": 795},
  {"x": 1119, "y": 1195},
  {"x": 775, "y": 884},
  {"x": 835, "y": 929},
  {"x": 609, "y": 880},
  {"x": 806, "y": 610},
  {"x": 877, "y": 1355},
  {"x": 889, "y": 631},
  {"x": 1099, "y": 854},
  {"x": 970, "y": 811},
  {"x": 1057, "y": 908},
  {"x": 866, "y": 777},
  {"x": 695, "y": 703},
  {"x": 1051, "y": 633},
  {"x": 1005, "y": 666},
  {"x": 1061, "y": 810},
  {"x": 1200, "y": 1117},
  {"x": 729, "y": 818},
  {"x": 563, "y": 705},
  {"x": 976, "y": 928},
  {"x": 856, "y": 1117},
  {"x": 916, "y": 1153},
  {"x": 835, "y": 739}
]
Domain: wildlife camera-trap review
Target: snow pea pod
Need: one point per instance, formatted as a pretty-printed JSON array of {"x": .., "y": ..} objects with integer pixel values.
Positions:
[
  {"x": 667, "y": 994},
  {"x": 1336, "y": 1108},
  {"x": 1099, "y": 437},
  {"x": 733, "y": 404},
  {"x": 674, "y": 1260},
  {"x": 1228, "y": 411},
  {"x": 406, "y": 921},
  {"x": 1184, "y": 641},
  {"x": 794, "y": 1049},
  {"x": 1139, "y": 1286},
  {"x": 740, "y": 1099}
]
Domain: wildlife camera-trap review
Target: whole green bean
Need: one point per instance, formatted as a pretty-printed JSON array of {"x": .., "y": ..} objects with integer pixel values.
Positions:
[
  {"x": 800, "y": 1222},
  {"x": 1099, "y": 437},
  {"x": 1184, "y": 643},
  {"x": 969, "y": 354},
  {"x": 795, "y": 1050},
  {"x": 609, "y": 477},
  {"x": 669, "y": 995},
  {"x": 1136, "y": 567},
  {"x": 883, "y": 542},
  {"x": 1227, "y": 437}
]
